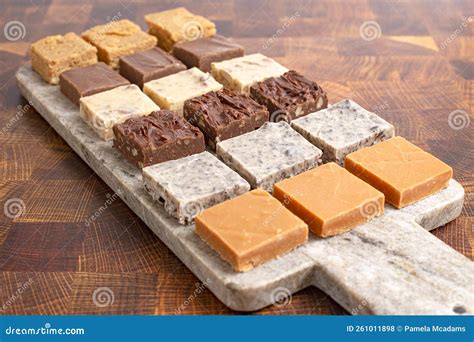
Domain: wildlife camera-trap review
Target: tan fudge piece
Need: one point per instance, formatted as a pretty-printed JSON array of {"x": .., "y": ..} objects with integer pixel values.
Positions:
[
  {"x": 171, "y": 91},
  {"x": 52, "y": 55},
  {"x": 401, "y": 170},
  {"x": 103, "y": 110},
  {"x": 330, "y": 199},
  {"x": 177, "y": 25},
  {"x": 250, "y": 229},
  {"x": 118, "y": 38}
]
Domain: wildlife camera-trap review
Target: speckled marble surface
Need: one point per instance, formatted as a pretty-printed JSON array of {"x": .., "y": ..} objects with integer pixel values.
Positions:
[{"x": 391, "y": 265}]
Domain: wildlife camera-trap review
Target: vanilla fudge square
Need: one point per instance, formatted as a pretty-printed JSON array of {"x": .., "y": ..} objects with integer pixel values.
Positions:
[
  {"x": 189, "y": 185},
  {"x": 172, "y": 91},
  {"x": 343, "y": 128},
  {"x": 103, "y": 110},
  {"x": 269, "y": 154},
  {"x": 241, "y": 73}
]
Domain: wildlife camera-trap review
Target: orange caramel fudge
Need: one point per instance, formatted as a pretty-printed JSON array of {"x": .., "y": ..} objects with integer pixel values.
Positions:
[
  {"x": 330, "y": 199},
  {"x": 250, "y": 229},
  {"x": 402, "y": 171}
]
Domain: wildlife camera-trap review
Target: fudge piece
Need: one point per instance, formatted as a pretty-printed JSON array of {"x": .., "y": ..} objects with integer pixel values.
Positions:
[
  {"x": 241, "y": 73},
  {"x": 191, "y": 184},
  {"x": 202, "y": 52},
  {"x": 171, "y": 91},
  {"x": 145, "y": 66},
  {"x": 89, "y": 80},
  {"x": 289, "y": 96},
  {"x": 402, "y": 171},
  {"x": 52, "y": 55},
  {"x": 224, "y": 114},
  {"x": 103, "y": 110},
  {"x": 250, "y": 229},
  {"x": 177, "y": 25},
  {"x": 343, "y": 128},
  {"x": 156, "y": 138},
  {"x": 269, "y": 154},
  {"x": 330, "y": 199},
  {"x": 116, "y": 39}
]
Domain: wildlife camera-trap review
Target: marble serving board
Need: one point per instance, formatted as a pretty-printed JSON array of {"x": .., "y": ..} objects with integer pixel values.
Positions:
[{"x": 391, "y": 265}]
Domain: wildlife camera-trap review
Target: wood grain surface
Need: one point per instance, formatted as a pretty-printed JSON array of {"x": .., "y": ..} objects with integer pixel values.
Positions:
[{"x": 411, "y": 62}]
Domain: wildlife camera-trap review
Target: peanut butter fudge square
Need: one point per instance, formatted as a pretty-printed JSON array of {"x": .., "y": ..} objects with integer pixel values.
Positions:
[
  {"x": 250, "y": 229},
  {"x": 269, "y": 154},
  {"x": 116, "y": 39},
  {"x": 241, "y": 73},
  {"x": 89, "y": 80},
  {"x": 172, "y": 91},
  {"x": 145, "y": 66},
  {"x": 202, "y": 52},
  {"x": 177, "y": 25},
  {"x": 224, "y": 114},
  {"x": 191, "y": 184},
  {"x": 289, "y": 96},
  {"x": 343, "y": 128},
  {"x": 52, "y": 55},
  {"x": 158, "y": 137},
  {"x": 102, "y": 111}
]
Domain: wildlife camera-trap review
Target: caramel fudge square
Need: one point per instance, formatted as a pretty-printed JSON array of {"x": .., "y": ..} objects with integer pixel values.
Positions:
[
  {"x": 116, "y": 39},
  {"x": 191, "y": 184},
  {"x": 177, "y": 25},
  {"x": 343, "y": 128},
  {"x": 250, "y": 229},
  {"x": 239, "y": 74},
  {"x": 52, "y": 55},
  {"x": 269, "y": 154},
  {"x": 104, "y": 110},
  {"x": 172, "y": 91}
]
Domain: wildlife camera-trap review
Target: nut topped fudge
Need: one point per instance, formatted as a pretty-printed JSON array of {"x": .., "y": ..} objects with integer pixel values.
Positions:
[
  {"x": 289, "y": 96},
  {"x": 177, "y": 25},
  {"x": 224, "y": 114},
  {"x": 202, "y": 52},
  {"x": 172, "y": 91},
  {"x": 241, "y": 73},
  {"x": 158, "y": 137},
  {"x": 103, "y": 110},
  {"x": 269, "y": 154},
  {"x": 191, "y": 184},
  {"x": 148, "y": 65},
  {"x": 343, "y": 128},
  {"x": 116, "y": 39},
  {"x": 52, "y": 55}
]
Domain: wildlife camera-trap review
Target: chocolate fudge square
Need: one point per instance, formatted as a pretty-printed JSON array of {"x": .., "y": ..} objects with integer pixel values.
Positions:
[
  {"x": 149, "y": 65},
  {"x": 224, "y": 114},
  {"x": 202, "y": 52},
  {"x": 92, "y": 79},
  {"x": 161, "y": 136},
  {"x": 289, "y": 96}
]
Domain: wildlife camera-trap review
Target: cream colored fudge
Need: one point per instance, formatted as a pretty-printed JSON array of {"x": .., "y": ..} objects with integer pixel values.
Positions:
[
  {"x": 103, "y": 110},
  {"x": 241, "y": 73},
  {"x": 52, "y": 55},
  {"x": 170, "y": 92},
  {"x": 116, "y": 39}
]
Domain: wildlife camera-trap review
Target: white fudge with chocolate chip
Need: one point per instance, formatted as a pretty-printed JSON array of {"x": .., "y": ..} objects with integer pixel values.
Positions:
[
  {"x": 343, "y": 128},
  {"x": 240, "y": 73},
  {"x": 103, "y": 110},
  {"x": 189, "y": 185},
  {"x": 171, "y": 91},
  {"x": 269, "y": 154}
]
